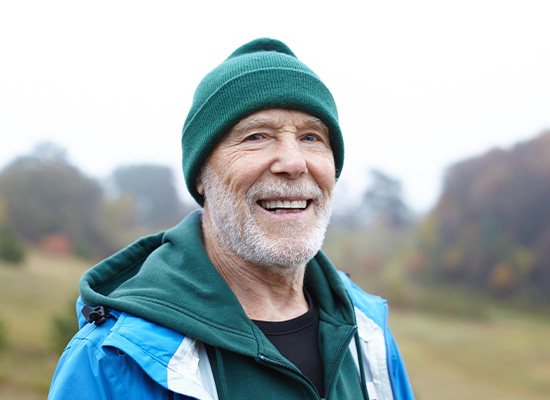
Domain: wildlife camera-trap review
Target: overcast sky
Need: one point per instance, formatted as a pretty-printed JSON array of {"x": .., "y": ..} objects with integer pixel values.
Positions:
[{"x": 419, "y": 84}]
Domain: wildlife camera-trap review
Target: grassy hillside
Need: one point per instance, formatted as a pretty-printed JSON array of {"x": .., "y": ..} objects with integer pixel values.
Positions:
[
  {"x": 31, "y": 296},
  {"x": 505, "y": 357},
  {"x": 502, "y": 355}
]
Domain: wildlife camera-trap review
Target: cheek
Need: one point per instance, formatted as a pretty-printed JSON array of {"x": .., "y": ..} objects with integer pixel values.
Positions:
[
  {"x": 240, "y": 173},
  {"x": 324, "y": 173},
  {"x": 328, "y": 185}
]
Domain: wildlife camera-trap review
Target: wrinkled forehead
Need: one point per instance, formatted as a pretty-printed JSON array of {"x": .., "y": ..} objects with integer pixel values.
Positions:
[{"x": 279, "y": 118}]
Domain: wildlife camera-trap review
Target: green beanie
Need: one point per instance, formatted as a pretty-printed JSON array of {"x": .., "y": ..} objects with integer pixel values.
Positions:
[{"x": 259, "y": 75}]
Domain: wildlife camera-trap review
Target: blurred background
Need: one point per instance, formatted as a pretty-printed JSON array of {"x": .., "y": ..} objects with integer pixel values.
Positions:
[{"x": 442, "y": 206}]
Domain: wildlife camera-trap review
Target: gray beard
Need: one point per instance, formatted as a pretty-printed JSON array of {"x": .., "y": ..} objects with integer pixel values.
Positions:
[{"x": 239, "y": 231}]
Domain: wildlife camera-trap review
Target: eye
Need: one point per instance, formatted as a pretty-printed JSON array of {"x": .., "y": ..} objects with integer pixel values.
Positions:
[
  {"x": 311, "y": 138},
  {"x": 254, "y": 137}
]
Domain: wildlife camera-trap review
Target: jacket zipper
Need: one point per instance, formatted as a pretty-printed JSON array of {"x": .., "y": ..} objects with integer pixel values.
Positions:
[
  {"x": 277, "y": 364},
  {"x": 295, "y": 371}
]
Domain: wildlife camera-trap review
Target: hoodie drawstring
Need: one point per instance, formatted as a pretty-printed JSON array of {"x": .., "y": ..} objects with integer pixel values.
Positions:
[
  {"x": 222, "y": 392},
  {"x": 361, "y": 367},
  {"x": 216, "y": 362}
]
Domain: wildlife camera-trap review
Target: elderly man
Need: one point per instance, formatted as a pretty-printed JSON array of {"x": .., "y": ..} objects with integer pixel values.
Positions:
[{"x": 237, "y": 301}]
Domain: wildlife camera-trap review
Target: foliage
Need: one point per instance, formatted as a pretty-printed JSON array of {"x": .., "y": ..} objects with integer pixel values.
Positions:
[
  {"x": 381, "y": 205},
  {"x": 63, "y": 328},
  {"x": 48, "y": 202},
  {"x": 11, "y": 247},
  {"x": 384, "y": 199},
  {"x": 373, "y": 258},
  {"x": 44, "y": 195},
  {"x": 151, "y": 189},
  {"x": 3, "y": 336},
  {"x": 119, "y": 220},
  {"x": 491, "y": 226}
]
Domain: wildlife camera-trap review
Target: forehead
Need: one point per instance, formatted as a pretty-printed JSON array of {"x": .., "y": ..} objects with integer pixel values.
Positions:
[{"x": 279, "y": 118}]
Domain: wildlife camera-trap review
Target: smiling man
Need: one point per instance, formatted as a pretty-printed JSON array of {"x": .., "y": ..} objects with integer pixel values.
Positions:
[{"x": 238, "y": 301}]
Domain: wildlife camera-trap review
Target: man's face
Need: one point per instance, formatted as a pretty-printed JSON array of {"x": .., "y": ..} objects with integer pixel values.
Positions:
[{"x": 268, "y": 185}]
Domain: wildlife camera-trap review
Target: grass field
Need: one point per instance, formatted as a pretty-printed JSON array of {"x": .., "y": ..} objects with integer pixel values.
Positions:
[
  {"x": 505, "y": 358},
  {"x": 31, "y": 295},
  {"x": 504, "y": 355}
]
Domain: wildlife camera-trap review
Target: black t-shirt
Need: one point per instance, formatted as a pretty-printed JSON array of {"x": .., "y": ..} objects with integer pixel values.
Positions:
[{"x": 296, "y": 340}]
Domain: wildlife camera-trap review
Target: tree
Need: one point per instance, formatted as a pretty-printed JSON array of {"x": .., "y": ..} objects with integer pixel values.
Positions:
[
  {"x": 152, "y": 190},
  {"x": 44, "y": 195},
  {"x": 491, "y": 226},
  {"x": 11, "y": 247},
  {"x": 383, "y": 201}
]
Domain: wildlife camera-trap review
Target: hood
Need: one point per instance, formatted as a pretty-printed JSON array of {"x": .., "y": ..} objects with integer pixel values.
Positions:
[{"x": 167, "y": 278}]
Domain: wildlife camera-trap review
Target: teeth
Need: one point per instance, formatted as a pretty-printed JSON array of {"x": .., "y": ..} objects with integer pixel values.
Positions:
[{"x": 270, "y": 204}]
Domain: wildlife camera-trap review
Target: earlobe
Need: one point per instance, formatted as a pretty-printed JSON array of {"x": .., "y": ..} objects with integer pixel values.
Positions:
[{"x": 200, "y": 187}]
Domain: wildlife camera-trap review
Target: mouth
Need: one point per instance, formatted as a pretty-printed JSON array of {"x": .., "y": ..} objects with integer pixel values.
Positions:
[{"x": 284, "y": 206}]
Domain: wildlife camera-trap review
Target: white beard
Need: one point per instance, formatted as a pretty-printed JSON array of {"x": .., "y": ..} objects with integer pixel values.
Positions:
[{"x": 235, "y": 225}]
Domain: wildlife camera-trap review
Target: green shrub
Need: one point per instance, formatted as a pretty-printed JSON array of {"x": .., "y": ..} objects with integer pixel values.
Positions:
[
  {"x": 63, "y": 328},
  {"x": 11, "y": 247},
  {"x": 3, "y": 336}
]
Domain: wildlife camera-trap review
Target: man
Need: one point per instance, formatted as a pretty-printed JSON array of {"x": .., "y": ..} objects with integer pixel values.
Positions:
[{"x": 237, "y": 301}]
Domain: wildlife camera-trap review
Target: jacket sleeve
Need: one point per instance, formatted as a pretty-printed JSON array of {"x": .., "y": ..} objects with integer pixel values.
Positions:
[{"x": 89, "y": 371}]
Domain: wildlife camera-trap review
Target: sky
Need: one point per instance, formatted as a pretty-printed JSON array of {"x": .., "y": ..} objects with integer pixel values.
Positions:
[{"x": 419, "y": 85}]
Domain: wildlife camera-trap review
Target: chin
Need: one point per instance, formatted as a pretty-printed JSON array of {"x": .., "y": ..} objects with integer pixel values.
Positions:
[{"x": 283, "y": 253}]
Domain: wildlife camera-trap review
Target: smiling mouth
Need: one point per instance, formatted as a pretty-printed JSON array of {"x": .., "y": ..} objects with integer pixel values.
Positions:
[{"x": 284, "y": 206}]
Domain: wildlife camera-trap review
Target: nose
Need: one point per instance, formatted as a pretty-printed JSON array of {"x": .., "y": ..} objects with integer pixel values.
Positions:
[{"x": 289, "y": 160}]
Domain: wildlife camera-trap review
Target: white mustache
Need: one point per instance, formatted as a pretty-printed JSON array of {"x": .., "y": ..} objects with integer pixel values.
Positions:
[{"x": 275, "y": 188}]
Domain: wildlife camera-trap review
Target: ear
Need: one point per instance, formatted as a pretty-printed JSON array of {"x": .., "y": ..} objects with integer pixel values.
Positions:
[{"x": 200, "y": 186}]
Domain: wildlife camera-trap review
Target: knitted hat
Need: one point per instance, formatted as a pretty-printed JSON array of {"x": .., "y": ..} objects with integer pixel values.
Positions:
[{"x": 259, "y": 75}]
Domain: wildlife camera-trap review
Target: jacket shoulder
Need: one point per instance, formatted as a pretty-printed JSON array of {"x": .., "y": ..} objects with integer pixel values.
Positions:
[
  {"x": 375, "y": 307},
  {"x": 88, "y": 369}
]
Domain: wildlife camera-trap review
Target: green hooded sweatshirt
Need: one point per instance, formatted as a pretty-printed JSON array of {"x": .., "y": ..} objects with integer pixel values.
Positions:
[{"x": 168, "y": 279}]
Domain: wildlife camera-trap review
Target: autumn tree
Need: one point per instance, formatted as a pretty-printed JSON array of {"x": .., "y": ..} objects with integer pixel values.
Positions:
[{"x": 491, "y": 225}]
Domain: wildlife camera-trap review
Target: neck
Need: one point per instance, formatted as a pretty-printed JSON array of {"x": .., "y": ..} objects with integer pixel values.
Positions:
[{"x": 266, "y": 293}]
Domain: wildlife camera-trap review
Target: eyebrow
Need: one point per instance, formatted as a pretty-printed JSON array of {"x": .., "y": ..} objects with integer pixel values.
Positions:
[
  {"x": 259, "y": 122},
  {"x": 252, "y": 123}
]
